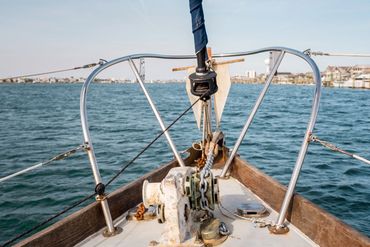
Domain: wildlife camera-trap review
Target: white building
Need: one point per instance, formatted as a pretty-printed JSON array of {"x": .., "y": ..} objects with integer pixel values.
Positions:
[{"x": 251, "y": 74}]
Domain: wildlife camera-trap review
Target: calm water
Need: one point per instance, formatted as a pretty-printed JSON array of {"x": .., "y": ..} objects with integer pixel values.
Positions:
[{"x": 39, "y": 121}]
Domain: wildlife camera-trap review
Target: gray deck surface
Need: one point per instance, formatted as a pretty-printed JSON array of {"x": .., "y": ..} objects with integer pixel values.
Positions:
[{"x": 243, "y": 232}]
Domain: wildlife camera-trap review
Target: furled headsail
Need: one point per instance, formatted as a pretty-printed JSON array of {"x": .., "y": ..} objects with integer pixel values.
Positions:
[
  {"x": 198, "y": 26},
  {"x": 202, "y": 80}
]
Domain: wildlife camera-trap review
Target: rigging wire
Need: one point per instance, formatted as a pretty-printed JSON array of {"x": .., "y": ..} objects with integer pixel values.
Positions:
[
  {"x": 319, "y": 53},
  {"x": 334, "y": 54},
  {"x": 43, "y": 223},
  {"x": 86, "y": 66},
  {"x": 339, "y": 150},
  {"x": 47, "y": 162}
]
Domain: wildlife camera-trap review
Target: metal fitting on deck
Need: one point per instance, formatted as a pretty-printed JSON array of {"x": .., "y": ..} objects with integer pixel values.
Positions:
[
  {"x": 100, "y": 198},
  {"x": 278, "y": 229}
]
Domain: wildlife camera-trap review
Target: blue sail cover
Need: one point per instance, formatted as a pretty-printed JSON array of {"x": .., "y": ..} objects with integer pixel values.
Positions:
[{"x": 197, "y": 20}]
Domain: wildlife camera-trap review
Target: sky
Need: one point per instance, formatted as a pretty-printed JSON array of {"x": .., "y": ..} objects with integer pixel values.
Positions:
[{"x": 42, "y": 35}]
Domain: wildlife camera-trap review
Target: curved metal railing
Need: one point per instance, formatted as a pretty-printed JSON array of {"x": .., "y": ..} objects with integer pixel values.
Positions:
[{"x": 282, "y": 51}]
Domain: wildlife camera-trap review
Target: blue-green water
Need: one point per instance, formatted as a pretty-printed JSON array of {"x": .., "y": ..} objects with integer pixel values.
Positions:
[{"x": 38, "y": 121}]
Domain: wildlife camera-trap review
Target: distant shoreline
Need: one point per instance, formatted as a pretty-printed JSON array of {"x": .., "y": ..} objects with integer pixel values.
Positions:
[
  {"x": 357, "y": 76},
  {"x": 157, "y": 82}
]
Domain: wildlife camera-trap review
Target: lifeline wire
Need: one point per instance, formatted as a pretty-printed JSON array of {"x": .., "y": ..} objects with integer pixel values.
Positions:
[
  {"x": 47, "y": 162},
  {"x": 333, "y": 54},
  {"x": 109, "y": 182},
  {"x": 86, "y": 66},
  {"x": 336, "y": 149},
  {"x": 319, "y": 53},
  {"x": 48, "y": 220}
]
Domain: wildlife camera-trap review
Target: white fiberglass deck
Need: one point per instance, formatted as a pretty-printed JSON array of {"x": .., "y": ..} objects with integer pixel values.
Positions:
[{"x": 243, "y": 233}]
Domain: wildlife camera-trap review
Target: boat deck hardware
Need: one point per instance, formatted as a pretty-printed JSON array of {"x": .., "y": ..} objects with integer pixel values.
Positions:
[
  {"x": 281, "y": 50},
  {"x": 60, "y": 156},
  {"x": 252, "y": 209},
  {"x": 334, "y": 148},
  {"x": 214, "y": 232},
  {"x": 107, "y": 233},
  {"x": 275, "y": 229},
  {"x": 236, "y": 231},
  {"x": 142, "y": 213}
]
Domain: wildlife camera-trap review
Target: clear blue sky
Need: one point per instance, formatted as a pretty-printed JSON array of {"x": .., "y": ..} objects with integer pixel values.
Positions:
[{"x": 40, "y": 35}]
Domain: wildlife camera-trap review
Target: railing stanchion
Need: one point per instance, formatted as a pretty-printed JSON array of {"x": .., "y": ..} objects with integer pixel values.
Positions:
[
  {"x": 252, "y": 114},
  {"x": 90, "y": 152},
  {"x": 282, "y": 50},
  {"x": 304, "y": 147},
  {"x": 156, "y": 113}
]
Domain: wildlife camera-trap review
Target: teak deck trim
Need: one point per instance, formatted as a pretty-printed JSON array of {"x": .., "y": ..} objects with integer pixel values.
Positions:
[{"x": 322, "y": 227}]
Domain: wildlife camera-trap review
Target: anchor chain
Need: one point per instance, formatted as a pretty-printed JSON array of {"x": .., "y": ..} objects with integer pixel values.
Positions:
[
  {"x": 206, "y": 171},
  {"x": 203, "y": 186},
  {"x": 204, "y": 203},
  {"x": 140, "y": 211}
]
